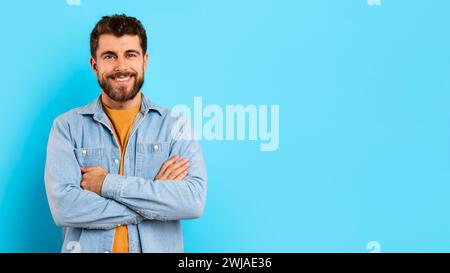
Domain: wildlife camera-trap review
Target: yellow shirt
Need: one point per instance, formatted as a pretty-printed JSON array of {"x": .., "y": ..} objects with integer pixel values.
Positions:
[{"x": 121, "y": 120}]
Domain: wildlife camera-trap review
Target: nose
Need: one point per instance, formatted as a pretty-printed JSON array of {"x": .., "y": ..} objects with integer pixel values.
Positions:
[{"x": 121, "y": 64}]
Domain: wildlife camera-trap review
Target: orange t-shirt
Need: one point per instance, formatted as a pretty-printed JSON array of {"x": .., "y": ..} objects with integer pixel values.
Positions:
[{"x": 121, "y": 120}]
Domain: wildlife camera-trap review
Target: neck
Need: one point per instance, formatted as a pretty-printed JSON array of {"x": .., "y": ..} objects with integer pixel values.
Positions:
[{"x": 133, "y": 103}]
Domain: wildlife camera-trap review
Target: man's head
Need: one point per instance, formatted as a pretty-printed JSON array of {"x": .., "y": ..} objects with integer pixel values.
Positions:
[{"x": 119, "y": 56}]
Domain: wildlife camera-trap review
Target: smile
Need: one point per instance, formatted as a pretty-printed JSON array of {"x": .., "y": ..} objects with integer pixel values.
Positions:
[{"x": 121, "y": 79}]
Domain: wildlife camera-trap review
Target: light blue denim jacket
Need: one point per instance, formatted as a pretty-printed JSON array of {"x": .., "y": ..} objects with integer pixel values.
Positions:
[{"x": 151, "y": 209}]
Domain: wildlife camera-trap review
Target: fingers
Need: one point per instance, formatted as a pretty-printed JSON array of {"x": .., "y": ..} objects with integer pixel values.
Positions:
[
  {"x": 175, "y": 166},
  {"x": 181, "y": 176},
  {"x": 181, "y": 169},
  {"x": 166, "y": 164},
  {"x": 173, "y": 169}
]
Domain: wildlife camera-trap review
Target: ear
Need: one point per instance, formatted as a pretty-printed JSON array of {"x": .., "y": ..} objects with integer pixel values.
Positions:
[
  {"x": 145, "y": 61},
  {"x": 94, "y": 66}
]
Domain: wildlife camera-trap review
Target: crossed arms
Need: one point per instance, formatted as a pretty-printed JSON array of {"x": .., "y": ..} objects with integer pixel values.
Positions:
[{"x": 93, "y": 199}]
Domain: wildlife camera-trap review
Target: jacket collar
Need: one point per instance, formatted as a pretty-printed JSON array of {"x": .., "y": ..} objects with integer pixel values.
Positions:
[{"x": 96, "y": 108}]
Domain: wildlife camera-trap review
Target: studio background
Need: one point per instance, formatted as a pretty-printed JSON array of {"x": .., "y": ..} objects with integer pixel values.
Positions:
[{"x": 363, "y": 92}]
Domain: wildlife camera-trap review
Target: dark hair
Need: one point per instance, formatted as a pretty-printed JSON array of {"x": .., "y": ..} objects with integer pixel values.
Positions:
[{"x": 118, "y": 25}]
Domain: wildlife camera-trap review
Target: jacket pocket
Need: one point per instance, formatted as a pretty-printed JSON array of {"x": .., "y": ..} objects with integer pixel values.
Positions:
[
  {"x": 89, "y": 157},
  {"x": 150, "y": 157}
]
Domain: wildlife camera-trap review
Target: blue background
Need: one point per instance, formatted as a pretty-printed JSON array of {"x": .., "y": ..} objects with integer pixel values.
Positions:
[{"x": 364, "y": 116}]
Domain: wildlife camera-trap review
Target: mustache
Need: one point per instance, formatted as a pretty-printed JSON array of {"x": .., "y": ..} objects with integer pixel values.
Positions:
[{"x": 121, "y": 74}]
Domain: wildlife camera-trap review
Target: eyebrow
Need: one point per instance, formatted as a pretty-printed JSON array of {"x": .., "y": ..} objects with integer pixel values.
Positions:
[
  {"x": 114, "y": 53},
  {"x": 133, "y": 51},
  {"x": 108, "y": 52}
]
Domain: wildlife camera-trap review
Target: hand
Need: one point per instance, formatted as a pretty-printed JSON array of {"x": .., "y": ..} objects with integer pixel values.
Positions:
[
  {"x": 93, "y": 178},
  {"x": 173, "y": 169}
]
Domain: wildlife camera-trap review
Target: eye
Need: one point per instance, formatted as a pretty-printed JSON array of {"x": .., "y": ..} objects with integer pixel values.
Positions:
[
  {"x": 131, "y": 55},
  {"x": 108, "y": 57}
]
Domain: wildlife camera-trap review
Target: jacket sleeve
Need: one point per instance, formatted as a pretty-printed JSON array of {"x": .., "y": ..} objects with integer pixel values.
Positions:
[
  {"x": 70, "y": 205},
  {"x": 165, "y": 199}
]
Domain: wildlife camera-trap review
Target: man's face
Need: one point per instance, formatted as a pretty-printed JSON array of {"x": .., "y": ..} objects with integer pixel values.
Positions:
[{"x": 119, "y": 65}]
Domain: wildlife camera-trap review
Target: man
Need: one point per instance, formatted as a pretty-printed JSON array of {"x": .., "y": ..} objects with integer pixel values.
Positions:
[{"x": 120, "y": 172}]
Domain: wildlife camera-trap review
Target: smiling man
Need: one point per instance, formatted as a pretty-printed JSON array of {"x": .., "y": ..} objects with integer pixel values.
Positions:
[{"x": 120, "y": 172}]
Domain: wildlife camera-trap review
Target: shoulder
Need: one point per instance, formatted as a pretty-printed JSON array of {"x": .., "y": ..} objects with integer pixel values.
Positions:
[{"x": 68, "y": 117}]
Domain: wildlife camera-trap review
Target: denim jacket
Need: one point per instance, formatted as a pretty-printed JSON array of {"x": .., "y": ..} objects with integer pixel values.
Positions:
[{"x": 151, "y": 209}]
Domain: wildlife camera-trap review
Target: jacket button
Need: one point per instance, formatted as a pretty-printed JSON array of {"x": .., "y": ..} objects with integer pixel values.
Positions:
[{"x": 116, "y": 161}]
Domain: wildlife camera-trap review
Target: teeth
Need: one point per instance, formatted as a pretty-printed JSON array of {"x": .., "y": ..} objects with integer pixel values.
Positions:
[{"x": 121, "y": 79}]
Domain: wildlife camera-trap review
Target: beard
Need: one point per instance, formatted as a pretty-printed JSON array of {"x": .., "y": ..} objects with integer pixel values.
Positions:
[{"x": 122, "y": 93}]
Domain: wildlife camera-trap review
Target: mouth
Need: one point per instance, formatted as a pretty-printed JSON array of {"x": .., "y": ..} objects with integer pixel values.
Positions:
[{"x": 122, "y": 79}]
